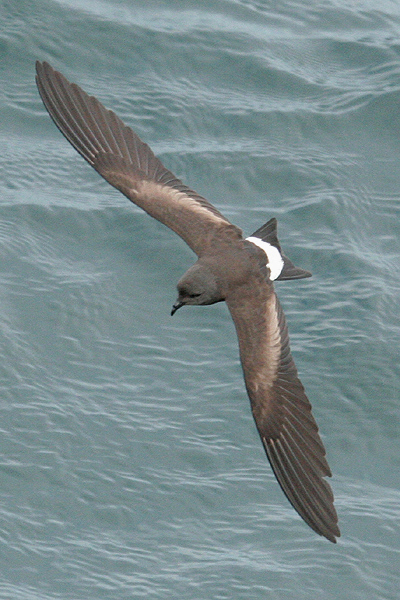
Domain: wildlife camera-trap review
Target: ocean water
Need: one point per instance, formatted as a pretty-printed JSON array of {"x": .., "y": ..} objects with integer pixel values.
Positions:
[{"x": 130, "y": 466}]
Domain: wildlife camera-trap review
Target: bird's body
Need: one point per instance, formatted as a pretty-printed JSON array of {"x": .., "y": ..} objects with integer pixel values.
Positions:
[{"x": 229, "y": 268}]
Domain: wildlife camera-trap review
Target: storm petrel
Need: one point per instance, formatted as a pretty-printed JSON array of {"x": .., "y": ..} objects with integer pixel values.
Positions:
[{"x": 229, "y": 268}]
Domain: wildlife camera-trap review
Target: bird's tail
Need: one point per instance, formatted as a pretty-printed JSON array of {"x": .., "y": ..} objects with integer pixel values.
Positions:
[{"x": 268, "y": 233}]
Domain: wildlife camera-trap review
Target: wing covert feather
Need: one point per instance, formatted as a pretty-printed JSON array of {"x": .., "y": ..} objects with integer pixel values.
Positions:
[
  {"x": 280, "y": 407},
  {"x": 126, "y": 162}
]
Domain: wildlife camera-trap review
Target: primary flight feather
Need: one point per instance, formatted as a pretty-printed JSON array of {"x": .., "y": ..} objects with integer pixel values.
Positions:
[{"x": 229, "y": 268}]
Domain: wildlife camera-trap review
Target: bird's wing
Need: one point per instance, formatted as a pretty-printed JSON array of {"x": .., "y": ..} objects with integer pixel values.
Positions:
[
  {"x": 127, "y": 163},
  {"x": 281, "y": 409}
]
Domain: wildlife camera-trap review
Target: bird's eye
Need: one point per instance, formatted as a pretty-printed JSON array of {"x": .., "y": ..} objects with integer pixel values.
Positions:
[{"x": 194, "y": 295}]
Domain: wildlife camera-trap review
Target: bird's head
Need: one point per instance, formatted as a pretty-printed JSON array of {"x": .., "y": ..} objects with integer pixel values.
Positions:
[{"x": 198, "y": 286}]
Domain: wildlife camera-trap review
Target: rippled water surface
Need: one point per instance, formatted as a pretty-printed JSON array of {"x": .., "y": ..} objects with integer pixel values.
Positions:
[{"x": 130, "y": 466}]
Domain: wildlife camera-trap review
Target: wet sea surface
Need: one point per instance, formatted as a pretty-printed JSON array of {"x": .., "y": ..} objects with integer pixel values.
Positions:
[{"x": 130, "y": 466}]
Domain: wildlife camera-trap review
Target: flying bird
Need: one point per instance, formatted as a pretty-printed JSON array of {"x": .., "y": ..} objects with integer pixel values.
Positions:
[{"x": 229, "y": 268}]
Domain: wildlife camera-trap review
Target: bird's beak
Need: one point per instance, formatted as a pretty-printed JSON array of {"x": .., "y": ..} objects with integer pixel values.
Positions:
[{"x": 175, "y": 307}]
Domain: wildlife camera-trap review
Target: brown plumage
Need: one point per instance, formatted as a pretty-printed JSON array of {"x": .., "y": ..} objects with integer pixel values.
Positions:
[{"x": 229, "y": 268}]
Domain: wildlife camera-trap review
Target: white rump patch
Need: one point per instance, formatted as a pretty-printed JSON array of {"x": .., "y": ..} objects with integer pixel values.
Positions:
[{"x": 274, "y": 258}]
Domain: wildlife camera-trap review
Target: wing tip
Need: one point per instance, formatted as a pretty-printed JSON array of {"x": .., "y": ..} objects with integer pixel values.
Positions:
[
  {"x": 313, "y": 505},
  {"x": 43, "y": 67}
]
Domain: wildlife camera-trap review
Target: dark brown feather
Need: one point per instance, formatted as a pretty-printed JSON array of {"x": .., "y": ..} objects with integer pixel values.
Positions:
[
  {"x": 281, "y": 409},
  {"x": 125, "y": 161},
  {"x": 238, "y": 269}
]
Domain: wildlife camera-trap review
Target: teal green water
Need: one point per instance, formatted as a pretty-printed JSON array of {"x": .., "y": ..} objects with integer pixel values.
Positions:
[{"x": 129, "y": 463}]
